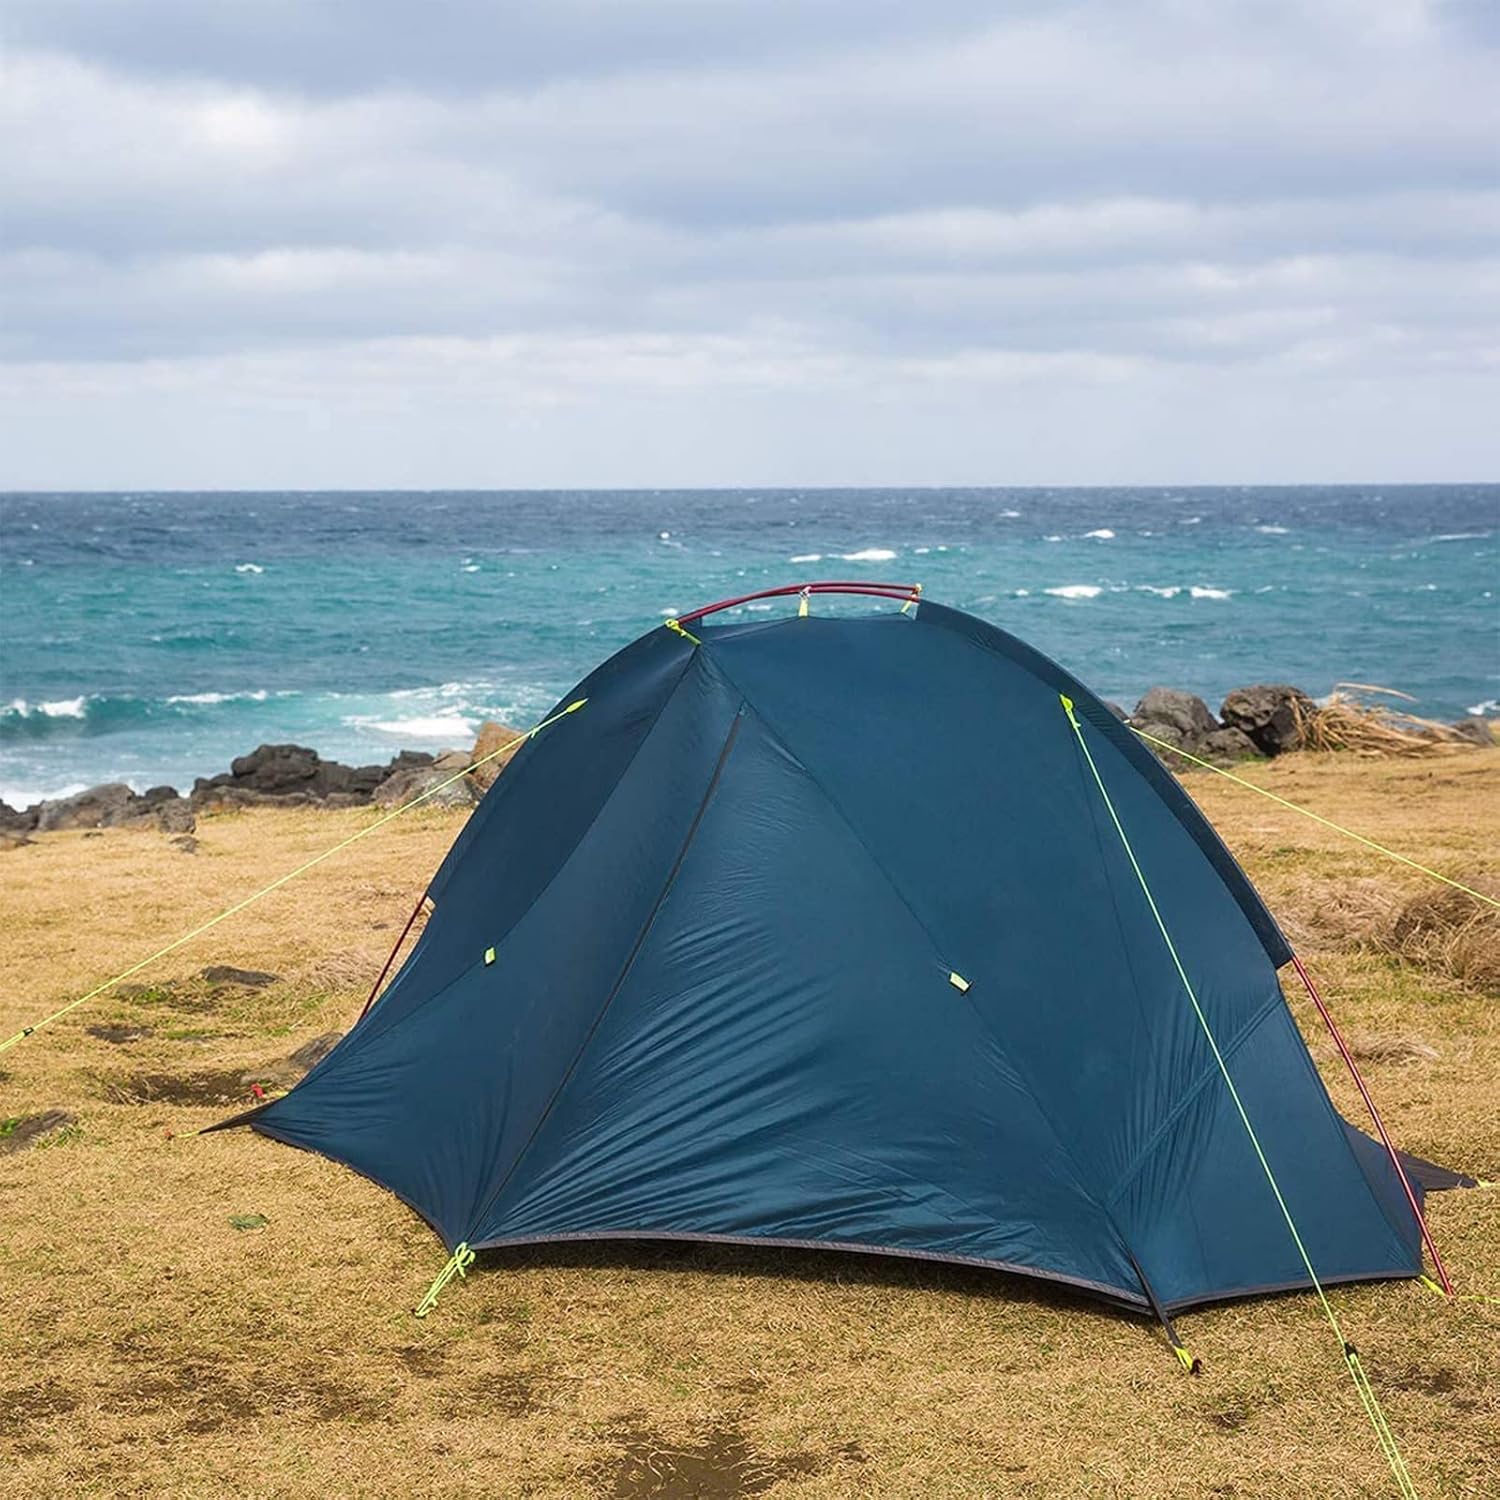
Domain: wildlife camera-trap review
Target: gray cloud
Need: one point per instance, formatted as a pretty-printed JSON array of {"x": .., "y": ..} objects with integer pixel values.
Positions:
[{"x": 709, "y": 234}]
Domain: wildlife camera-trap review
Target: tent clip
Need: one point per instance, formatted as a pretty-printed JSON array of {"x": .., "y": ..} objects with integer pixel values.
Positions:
[{"x": 458, "y": 1265}]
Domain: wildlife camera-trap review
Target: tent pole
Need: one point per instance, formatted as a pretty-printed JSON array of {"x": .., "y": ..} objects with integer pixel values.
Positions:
[
  {"x": 1411, "y": 1197},
  {"x": 380, "y": 978}
]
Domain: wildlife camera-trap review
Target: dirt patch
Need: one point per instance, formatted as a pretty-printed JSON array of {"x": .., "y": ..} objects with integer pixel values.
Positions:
[
  {"x": 20, "y": 1409},
  {"x": 718, "y": 1465},
  {"x": 249, "y": 979},
  {"x": 217, "y": 1086},
  {"x": 22, "y": 1132},
  {"x": 1436, "y": 1382},
  {"x": 1392, "y": 1049},
  {"x": 118, "y": 1035},
  {"x": 422, "y": 1361}
]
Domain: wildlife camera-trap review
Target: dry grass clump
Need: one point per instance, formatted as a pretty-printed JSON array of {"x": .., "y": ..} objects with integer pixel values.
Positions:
[
  {"x": 1392, "y": 1049},
  {"x": 1345, "y": 722},
  {"x": 1451, "y": 931}
]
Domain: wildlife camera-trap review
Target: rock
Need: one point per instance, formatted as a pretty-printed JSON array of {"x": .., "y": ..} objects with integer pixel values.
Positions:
[
  {"x": 1180, "y": 718},
  {"x": 494, "y": 737},
  {"x": 14, "y": 820},
  {"x": 176, "y": 816},
  {"x": 186, "y": 843},
  {"x": 1480, "y": 731},
  {"x": 1226, "y": 745},
  {"x": 411, "y": 782},
  {"x": 1269, "y": 714},
  {"x": 294, "y": 775},
  {"x": 252, "y": 979},
  {"x": 98, "y": 807},
  {"x": 310, "y": 1054},
  {"x": 13, "y": 838}
]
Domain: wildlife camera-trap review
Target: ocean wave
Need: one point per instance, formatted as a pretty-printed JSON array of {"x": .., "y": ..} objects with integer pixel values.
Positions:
[
  {"x": 1103, "y": 533},
  {"x": 1162, "y": 591},
  {"x": 1460, "y": 536},
  {"x": 61, "y": 708},
  {"x": 1274, "y": 530},
  {"x": 258, "y": 696},
  {"x": 1076, "y": 591},
  {"x": 1202, "y": 591},
  {"x": 869, "y": 554},
  {"x": 1488, "y": 706},
  {"x": 803, "y": 557},
  {"x": 248, "y": 568},
  {"x": 446, "y": 727}
]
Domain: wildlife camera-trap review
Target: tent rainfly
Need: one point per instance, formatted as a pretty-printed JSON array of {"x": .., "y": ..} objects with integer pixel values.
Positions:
[{"x": 876, "y": 933}]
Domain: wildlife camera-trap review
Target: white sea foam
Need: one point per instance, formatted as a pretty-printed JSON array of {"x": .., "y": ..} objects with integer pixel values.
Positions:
[
  {"x": 1199, "y": 591},
  {"x": 258, "y": 696},
  {"x": 1103, "y": 533},
  {"x": 921, "y": 551},
  {"x": 1479, "y": 710},
  {"x": 1273, "y": 530},
  {"x": 1076, "y": 591},
  {"x": 1010, "y": 515},
  {"x": 1052, "y": 539},
  {"x": 59, "y": 708},
  {"x": 471, "y": 567},
  {"x": 1189, "y": 520},
  {"x": 806, "y": 557},
  {"x": 869, "y": 554},
  {"x": 1163, "y": 591},
  {"x": 447, "y": 727},
  {"x": 1021, "y": 594},
  {"x": 1460, "y": 536},
  {"x": 28, "y": 796},
  {"x": 248, "y": 568}
]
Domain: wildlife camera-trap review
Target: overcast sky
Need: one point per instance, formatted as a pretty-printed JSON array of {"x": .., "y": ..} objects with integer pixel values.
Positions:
[{"x": 374, "y": 243}]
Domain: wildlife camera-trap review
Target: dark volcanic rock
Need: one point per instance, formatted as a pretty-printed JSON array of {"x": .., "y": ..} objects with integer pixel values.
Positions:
[
  {"x": 98, "y": 807},
  {"x": 1269, "y": 714},
  {"x": 15, "y": 820},
  {"x": 1184, "y": 721},
  {"x": 293, "y": 775},
  {"x": 310, "y": 1054}
]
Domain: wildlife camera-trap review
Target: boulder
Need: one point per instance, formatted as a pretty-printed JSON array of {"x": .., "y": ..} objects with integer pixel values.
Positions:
[
  {"x": 1270, "y": 714},
  {"x": 403, "y": 785},
  {"x": 310, "y": 1054},
  {"x": 294, "y": 775},
  {"x": 175, "y": 816},
  {"x": 1179, "y": 718},
  {"x": 493, "y": 737},
  {"x": 16, "y": 820},
  {"x": 98, "y": 807},
  {"x": 1226, "y": 745}
]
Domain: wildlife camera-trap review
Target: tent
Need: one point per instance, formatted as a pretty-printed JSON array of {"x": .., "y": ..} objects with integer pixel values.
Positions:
[{"x": 870, "y": 931}]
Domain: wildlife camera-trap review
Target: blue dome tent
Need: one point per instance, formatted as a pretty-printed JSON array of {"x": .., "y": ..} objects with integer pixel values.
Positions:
[{"x": 874, "y": 932}]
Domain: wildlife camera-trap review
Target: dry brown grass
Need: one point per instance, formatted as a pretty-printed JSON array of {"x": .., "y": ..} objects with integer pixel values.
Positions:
[
  {"x": 1348, "y": 722},
  {"x": 152, "y": 1348}
]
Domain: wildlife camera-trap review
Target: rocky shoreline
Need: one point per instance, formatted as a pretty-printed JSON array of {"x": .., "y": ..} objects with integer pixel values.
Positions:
[{"x": 1253, "y": 723}]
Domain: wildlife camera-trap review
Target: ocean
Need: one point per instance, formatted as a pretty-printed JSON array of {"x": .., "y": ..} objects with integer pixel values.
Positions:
[{"x": 149, "y": 638}]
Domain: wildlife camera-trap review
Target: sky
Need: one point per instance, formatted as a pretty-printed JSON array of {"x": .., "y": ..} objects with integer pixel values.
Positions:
[{"x": 597, "y": 243}]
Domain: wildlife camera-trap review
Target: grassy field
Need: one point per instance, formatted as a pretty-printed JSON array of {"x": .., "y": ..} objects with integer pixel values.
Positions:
[{"x": 150, "y": 1346}]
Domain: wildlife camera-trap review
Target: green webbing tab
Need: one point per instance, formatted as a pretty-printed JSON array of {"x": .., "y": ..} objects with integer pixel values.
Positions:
[
  {"x": 489, "y": 955},
  {"x": 1190, "y": 1363},
  {"x": 959, "y": 983},
  {"x": 1067, "y": 704},
  {"x": 677, "y": 627},
  {"x": 458, "y": 1265}
]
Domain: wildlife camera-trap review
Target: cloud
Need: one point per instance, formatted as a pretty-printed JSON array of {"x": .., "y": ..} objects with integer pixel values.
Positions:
[{"x": 693, "y": 222}]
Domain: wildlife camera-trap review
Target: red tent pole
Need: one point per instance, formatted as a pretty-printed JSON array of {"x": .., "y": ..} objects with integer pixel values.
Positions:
[
  {"x": 380, "y": 978},
  {"x": 1411, "y": 1197},
  {"x": 905, "y": 591}
]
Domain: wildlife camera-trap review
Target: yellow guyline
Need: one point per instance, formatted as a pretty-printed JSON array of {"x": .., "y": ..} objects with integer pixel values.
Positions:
[
  {"x": 276, "y": 884},
  {"x": 1368, "y": 1399},
  {"x": 1348, "y": 833}
]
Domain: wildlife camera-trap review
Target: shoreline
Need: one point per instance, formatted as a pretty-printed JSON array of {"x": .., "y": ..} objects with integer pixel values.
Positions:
[{"x": 1257, "y": 722}]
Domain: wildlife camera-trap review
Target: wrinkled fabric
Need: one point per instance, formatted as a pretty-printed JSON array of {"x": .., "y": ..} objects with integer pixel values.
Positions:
[{"x": 820, "y": 932}]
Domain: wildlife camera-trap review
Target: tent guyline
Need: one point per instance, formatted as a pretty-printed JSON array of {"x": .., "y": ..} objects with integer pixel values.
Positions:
[
  {"x": 280, "y": 881},
  {"x": 1306, "y": 812},
  {"x": 1368, "y": 1398}
]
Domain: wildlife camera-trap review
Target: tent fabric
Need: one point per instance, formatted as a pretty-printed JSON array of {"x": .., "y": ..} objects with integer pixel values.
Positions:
[{"x": 816, "y": 932}]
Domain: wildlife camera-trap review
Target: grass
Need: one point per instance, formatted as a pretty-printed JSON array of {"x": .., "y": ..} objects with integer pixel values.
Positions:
[{"x": 154, "y": 1346}]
